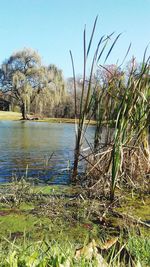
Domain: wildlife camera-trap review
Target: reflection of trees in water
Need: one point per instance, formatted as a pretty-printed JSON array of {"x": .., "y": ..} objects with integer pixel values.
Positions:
[{"x": 24, "y": 136}]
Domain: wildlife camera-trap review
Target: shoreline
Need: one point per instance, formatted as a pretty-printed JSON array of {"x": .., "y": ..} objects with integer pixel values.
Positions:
[{"x": 16, "y": 116}]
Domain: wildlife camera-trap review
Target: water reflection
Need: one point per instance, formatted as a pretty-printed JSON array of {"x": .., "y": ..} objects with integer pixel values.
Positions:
[{"x": 44, "y": 149}]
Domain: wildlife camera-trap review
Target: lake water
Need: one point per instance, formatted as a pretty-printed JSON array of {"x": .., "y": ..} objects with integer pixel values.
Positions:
[{"x": 37, "y": 149}]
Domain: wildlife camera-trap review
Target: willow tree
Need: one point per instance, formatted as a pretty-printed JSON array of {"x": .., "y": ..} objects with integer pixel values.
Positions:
[
  {"x": 52, "y": 97},
  {"x": 57, "y": 83},
  {"x": 23, "y": 77}
]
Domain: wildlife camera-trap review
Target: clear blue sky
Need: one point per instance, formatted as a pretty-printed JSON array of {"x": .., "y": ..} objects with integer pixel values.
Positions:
[{"x": 53, "y": 27}]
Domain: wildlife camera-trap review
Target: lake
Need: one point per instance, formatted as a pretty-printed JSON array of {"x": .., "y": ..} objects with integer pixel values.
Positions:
[{"x": 37, "y": 149}]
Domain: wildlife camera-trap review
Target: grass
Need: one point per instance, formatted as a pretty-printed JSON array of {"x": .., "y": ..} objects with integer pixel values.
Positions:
[
  {"x": 138, "y": 206},
  {"x": 51, "y": 222},
  {"x": 8, "y": 115},
  {"x": 44, "y": 254},
  {"x": 64, "y": 254},
  {"x": 140, "y": 248},
  {"x": 12, "y": 224}
]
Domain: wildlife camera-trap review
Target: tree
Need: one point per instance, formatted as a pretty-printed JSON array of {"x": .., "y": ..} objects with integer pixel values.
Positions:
[
  {"x": 56, "y": 78},
  {"x": 51, "y": 100},
  {"x": 23, "y": 77}
]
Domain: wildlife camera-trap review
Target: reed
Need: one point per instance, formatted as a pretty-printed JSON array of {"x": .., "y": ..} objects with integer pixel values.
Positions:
[
  {"x": 130, "y": 120},
  {"x": 126, "y": 128},
  {"x": 121, "y": 109},
  {"x": 89, "y": 88}
]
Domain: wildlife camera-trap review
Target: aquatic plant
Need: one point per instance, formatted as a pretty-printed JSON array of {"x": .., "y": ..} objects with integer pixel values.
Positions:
[
  {"x": 89, "y": 87},
  {"x": 120, "y": 105}
]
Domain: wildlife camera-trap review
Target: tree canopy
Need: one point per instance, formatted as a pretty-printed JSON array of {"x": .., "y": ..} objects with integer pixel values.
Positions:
[{"x": 27, "y": 81}]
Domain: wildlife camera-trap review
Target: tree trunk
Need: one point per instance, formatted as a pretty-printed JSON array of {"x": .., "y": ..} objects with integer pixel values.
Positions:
[{"x": 23, "y": 111}]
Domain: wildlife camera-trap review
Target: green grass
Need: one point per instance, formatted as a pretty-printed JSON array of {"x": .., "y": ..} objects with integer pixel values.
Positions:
[
  {"x": 63, "y": 253},
  {"x": 140, "y": 248},
  {"x": 8, "y": 115},
  {"x": 49, "y": 228},
  {"x": 13, "y": 223},
  {"x": 137, "y": 206},
  {"x": 55, "y": 189}
]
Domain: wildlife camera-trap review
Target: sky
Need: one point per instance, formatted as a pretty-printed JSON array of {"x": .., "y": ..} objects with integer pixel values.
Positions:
[{"x": 53, "y": 27}]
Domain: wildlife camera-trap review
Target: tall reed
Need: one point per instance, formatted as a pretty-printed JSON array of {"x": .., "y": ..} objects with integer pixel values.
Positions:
[
  {"x": 127, "y": 128},
  {"x": 88, "y": 88},
  {"x": 120, "y": 107}
]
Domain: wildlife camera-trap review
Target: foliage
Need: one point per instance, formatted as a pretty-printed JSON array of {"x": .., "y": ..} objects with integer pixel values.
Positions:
[
  {"x": 19, "y": 75},
  {"x": 28, "y": 84}
]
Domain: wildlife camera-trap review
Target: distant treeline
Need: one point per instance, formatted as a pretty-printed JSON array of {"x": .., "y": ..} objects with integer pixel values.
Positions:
[{"x": 33, "y": 88}]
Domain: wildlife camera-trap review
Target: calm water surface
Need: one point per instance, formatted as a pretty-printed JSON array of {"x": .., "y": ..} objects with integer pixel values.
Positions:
[{"x": 37, "y": 149}]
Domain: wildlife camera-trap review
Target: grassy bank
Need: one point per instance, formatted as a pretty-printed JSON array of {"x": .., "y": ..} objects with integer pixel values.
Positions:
[
  {"x": 8, "y": 115},
  {"x": 56, "y": 225}
]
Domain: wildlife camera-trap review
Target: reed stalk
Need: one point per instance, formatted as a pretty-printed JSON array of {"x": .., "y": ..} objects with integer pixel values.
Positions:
[
  {"x": 120, "y": 106},
  {"x": 126, "y": 128},
  {"x": 88, "y": 89}
]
